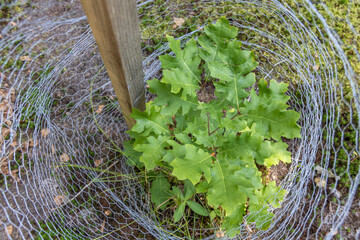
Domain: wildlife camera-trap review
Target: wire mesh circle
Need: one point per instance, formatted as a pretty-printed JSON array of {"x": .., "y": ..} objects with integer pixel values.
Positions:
[{"x": 62, "y": 169}]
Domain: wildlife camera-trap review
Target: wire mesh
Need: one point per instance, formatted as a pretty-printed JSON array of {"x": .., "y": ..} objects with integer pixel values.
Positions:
[{"x": 61, "y": 126}]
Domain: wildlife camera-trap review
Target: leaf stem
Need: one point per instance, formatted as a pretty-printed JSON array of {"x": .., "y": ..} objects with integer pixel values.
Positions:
[
  {"x": 213, "y": 131},
  {"x": 208, "y": 120}
]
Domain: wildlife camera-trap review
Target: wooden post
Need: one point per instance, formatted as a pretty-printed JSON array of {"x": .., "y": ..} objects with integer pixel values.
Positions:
[{"x": 115, "y": 25}]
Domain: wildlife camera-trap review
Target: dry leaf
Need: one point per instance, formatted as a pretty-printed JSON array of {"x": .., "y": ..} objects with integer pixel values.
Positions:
[
  {"x": 13, "y": 23},
  {"x": 320, "y": 182},
  {"x": 4, "y": 170},
  {"x": 15, "y": 175},
  {"x": 9, "y": 229},
  {"x": 4, "y": 163},
  {"x": 107, "y": 212},
  {"x": 102, "y": 226},
  {"x": 64, "y": 157},
  {"x": 25, "y": 58},
  {"x": 98, "y": 162},
  {"x": 32, "y": 143},
  {"x": 13, "y": 95},
  {"x": 316, "y": 67},
  {"x": 59, "y": 200},
  {"x": 100, "y": 108},
  {"x": 179, "y": 21},
  {"x": 248, "y": 229},
  {"x": 1, "y": 36},
  {"x": 4, "y": 105},
  {"x": 322, "y": 170},
  {"x": 4, "y": 133},
  {"x": 14, "y": 143},
  {"x": 220, "y": 234},
  {"x": 45, "y": 132},
  {"x": 53, "y": 149}
]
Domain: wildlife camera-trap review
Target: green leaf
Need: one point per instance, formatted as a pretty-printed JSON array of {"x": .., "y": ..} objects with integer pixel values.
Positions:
[
  {"x": 132, "y": 156},
  {"x": 153, "y": 151},
  {"x": 196, "y": 207},
  {"x": 260, "y": 215},
  {"x": 232, "y": 222},
  {"x": 215, "y": 39},
  {"x": 231, "y": 186},
  {"x": 199, "y": 126},
  {"x": 150, "y": 121},
  {"x": 170, "y": 102},
  {"x": 268, "y": 111},
  {"x": 195, "y": 163},
  {"x": 189, "y": 190},
  {"x": 212, "y": 215},
  {"x": 179, "y": 212},
  {"x": 183, "y": 138},
  {"x": 202, "y": 187},
  {"x": 184, "y": 73},
  {"x": 160, "y": 192},
  {"x": 270, "y": 153},
  {"x": 240, "y": 150},
  {"x": 270, "y": 194},
  {"x": 177, "y": 193}
]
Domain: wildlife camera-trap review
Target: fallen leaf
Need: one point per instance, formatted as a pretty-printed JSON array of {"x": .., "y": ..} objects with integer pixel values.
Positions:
[
  {"x": 32, "y": 143},
  {"x": 64, "y": 157},
  {"x": 322, "y": 170},
  {"x": 107, "y": 212},
  {"x": 316, "y": 67},
  {"x": 14, "y": 143},
  {"x": 13, "y": 95},
  {"x": 4, "y": 105},
  {"x": 45, "y": 132},
  {"x": 4, "y": 170},
  {"x": 15, "y": 175},
  {"x": 98, "y": 162},
  {"x": 53, "y": 149},
  {"x": 102, "y": 226},
  {"x": 220, "y": 234},
  {"x": 320, "y": 182},
  {"x": 25, "y": 58},
  {"x": 248, "y": 228},
  {"x": 1, "y": 36},
  {"x": 4, "y": 163},
  {"x": 9, "y": 229},
  {"x": 179, "y": 21},
  {"x": 13, "y": 23},
  {"x": 4, "y": 133},
  {"x": 59, "y": 200},
  {"x": 100, "y": 108}
]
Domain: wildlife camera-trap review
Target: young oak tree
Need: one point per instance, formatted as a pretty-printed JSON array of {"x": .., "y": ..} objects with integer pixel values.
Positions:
[{"x": 213, "y": 148}]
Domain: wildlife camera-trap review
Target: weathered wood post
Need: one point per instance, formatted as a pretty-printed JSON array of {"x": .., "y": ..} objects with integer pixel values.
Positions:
[{"x": 115, "y": 25}]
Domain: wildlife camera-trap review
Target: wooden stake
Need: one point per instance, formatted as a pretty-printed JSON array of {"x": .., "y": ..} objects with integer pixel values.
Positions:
[{"x": 115, "y": 25}]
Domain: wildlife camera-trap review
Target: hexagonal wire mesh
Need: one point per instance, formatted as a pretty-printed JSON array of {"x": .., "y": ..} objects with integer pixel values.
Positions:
[{"x": 62, "y": 175}]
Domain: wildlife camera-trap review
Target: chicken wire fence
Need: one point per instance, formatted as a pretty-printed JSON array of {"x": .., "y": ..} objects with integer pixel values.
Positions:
[{"x": 61, "y": 126}]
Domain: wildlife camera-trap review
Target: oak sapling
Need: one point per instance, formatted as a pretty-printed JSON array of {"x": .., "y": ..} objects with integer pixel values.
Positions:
[{"x": 213, "y": 147}]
